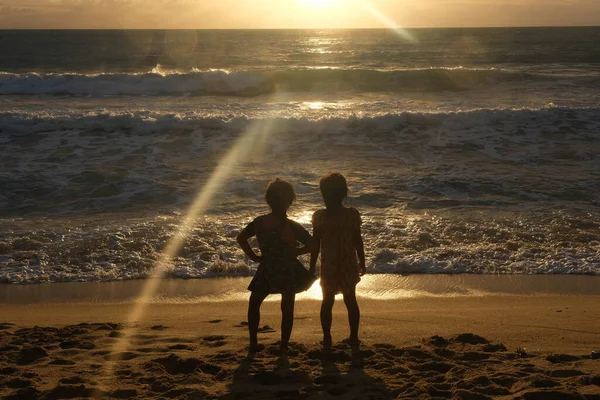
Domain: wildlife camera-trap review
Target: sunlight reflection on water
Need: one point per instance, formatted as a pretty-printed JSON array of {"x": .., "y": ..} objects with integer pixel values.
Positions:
[
  {"x": 375, "y": 287},
  {"x": 303, "y": 217}
]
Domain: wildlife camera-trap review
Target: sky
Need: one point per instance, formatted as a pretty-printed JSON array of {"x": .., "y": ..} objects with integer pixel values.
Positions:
[{"x": 278, "y": 14}]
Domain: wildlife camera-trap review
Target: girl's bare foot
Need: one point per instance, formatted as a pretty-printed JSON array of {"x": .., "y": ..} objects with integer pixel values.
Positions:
[
  {"x": 327, "y": 341},
  {"x": 283, "y": 349},
  {"x": 353, "y": 342},
  {"x": 252, "y": 350}
]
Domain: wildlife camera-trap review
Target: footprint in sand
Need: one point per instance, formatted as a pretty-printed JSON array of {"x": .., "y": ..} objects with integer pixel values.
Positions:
[
  {"x": 28, "y": 355},
  {"x": 73, "y": 380},
  {"x": 561, "y": 358},
  {"x": 70, "y": 392},
  {"x": 176, "y": 365},
  {"x": 125, "y": 372},
  {"x": 266, "y": 329},
  {"x": 159, "y": 327},
  {"x": 18, "y": 383},
  {"x": 9, "y": 347},
  {"x": 181, "y": 346},
  {"x": 177, "y": 340},
  {"x": 69, "y": 344},
  {"x": 124, "y": 393},
  {"x": 61, "y": 361},
  {"x": 161, "y": 385},
  {"x": 107, "y": 327},
  {"x": 214, "y": 341},
  {"x": 123, "y": 356},
  {"x": 151, "y": 350},
  {"x": 565, "y": 373},
  {"x": 6, "y": 325},
  {"x": 25, "y": 393},
  {"x": 143, "y": 336}
]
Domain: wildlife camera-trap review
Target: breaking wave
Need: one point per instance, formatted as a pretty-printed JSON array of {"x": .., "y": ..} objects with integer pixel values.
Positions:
[{"x": 255, "y": 83}]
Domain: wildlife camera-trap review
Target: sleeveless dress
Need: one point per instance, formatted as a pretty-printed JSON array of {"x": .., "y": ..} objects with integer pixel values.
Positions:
[
  {"x": 279, "y": 270},
  {"x": 339, "y": 260}
]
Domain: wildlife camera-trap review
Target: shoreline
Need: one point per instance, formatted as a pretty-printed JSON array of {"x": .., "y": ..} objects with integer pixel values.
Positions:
[{"x": 372, "y": 287}]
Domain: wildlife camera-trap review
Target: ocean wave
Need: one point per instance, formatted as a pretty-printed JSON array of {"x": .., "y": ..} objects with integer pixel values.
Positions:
[
  {"x": 148, "y": 160},
  {"x": 255, "y": 83},
  {"x": 149, "y": 122},
  {"x": 152, "y": 83},
  {"x": 396, "y": 242}
]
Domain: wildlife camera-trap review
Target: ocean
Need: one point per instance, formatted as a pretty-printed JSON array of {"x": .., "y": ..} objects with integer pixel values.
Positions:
[{"x": 467, "y": 151}]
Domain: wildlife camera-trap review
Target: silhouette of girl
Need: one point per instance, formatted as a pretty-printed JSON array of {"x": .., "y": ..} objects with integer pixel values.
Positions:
[
  {"x": 279, "y": 270},
  {"x": 337, "y": 232}
]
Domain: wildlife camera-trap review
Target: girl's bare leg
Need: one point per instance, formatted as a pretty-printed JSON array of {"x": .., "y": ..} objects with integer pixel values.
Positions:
[
  {"x": 353, "y": 314},
  {"x": 256, "y": 300},
  {"x": 326, "y": 316},
  {"x": 287, "y": 318}
]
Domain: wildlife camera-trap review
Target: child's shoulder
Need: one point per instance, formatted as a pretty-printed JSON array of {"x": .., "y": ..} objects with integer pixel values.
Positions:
[
  {"x": 352, "y": 210},
  {"x": 318, "y": 215},
  {"x": 259, "y": 218},
  {"x": 295, "y": 224},
  {"x": 347, "y": 213},
  {"x": 354, "y": 215}
]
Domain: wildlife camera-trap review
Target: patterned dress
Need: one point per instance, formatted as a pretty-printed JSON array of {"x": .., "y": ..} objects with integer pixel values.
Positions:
[
  {"x": 339, "y": 260},
  {"x": 279, "y": 270}
]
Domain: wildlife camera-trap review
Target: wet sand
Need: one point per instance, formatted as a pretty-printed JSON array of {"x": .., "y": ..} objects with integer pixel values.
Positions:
[
  {"x": 461, "y": 346},
  {"x": 376, "y": 287}
]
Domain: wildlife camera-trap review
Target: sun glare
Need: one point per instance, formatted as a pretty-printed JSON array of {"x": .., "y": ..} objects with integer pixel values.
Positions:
[{"x": 317, "y": 3}]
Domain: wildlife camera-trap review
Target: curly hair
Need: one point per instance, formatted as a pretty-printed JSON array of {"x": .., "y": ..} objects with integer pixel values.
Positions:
[
  {"x": 334, "y": 189},
  {"x": 280, "y": 194}
]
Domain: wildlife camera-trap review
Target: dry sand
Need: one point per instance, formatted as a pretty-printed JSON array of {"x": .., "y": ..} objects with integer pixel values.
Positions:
[{"x": 529, "y": 347}]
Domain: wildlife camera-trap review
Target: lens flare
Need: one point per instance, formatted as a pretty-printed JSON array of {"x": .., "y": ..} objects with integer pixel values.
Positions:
[
  {"x": 387, "y": 21},
  {"x": 249, "y": 143}
]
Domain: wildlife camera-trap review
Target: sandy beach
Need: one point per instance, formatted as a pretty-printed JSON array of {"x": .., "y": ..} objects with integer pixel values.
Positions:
[{"x": 506, "y": 346}]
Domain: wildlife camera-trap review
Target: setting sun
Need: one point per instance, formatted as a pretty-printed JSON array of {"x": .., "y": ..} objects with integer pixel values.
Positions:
[{"x": 318, "y": 3}]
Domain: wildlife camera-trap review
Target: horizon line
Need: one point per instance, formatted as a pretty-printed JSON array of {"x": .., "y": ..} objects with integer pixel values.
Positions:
[{"x": 300, "y": 29}]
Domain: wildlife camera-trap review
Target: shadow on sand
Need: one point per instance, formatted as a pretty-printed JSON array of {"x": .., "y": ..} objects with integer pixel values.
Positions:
[{"x": 304, "y": 374}]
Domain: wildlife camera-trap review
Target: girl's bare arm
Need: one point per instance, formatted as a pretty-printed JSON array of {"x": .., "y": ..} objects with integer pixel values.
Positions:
[
  {"x": 308, "y": 242},
  {"x": 242, "y": 240},
  {"x": 360, "y": 251},
  {"x": 314, "y": 255}
]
